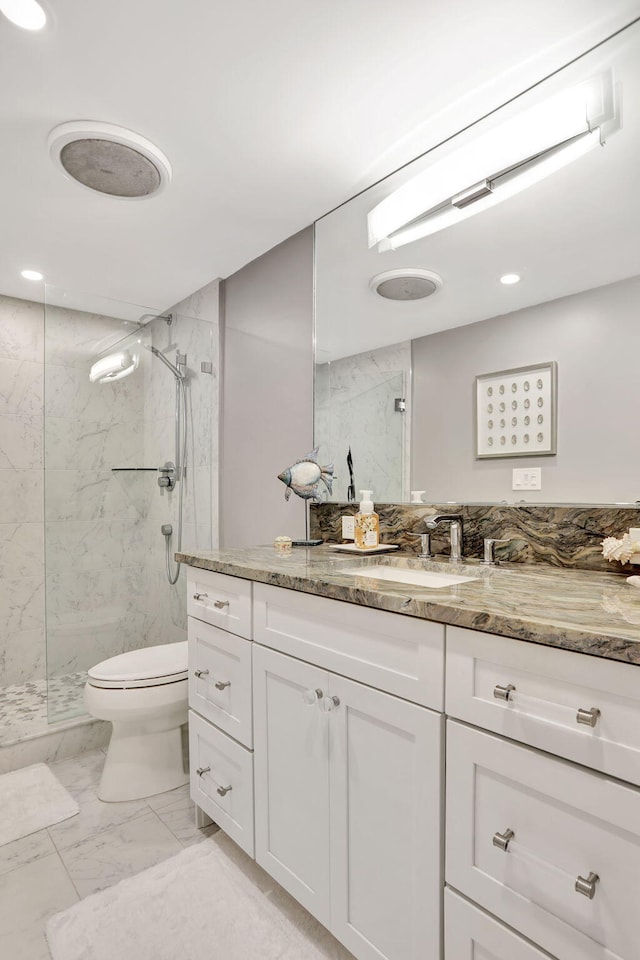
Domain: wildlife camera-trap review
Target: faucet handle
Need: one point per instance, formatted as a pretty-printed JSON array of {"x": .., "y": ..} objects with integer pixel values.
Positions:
[
  {"x": 425, "y": 544},
  {"x": 489, "y": 545}
]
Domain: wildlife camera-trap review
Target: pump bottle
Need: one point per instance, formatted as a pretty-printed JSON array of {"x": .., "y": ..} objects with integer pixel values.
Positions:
[{"x": 366, "y": 523}]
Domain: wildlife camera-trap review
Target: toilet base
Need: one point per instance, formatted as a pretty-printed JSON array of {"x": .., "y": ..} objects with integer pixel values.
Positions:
[{"x": 140, "y": 765}]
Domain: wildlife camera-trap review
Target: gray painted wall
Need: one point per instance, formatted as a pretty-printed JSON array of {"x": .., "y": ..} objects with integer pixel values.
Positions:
[
  {"x": 595, "y": 338},
  {"x": 267, "y": 408}
]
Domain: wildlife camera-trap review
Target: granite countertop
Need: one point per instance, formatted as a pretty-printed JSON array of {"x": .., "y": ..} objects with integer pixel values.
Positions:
[{"x": 589, "y": 612}]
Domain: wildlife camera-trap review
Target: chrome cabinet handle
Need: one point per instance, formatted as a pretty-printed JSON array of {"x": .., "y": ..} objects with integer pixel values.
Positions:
[
  {"x": 587, "y": 886},
  {"x": 201, "y": 673},
  {"x": 223, "y": 791},
  {"x": 309, "y": 697},
  {"x": 588, "y": 717},
  {"x": 502, "y": 840},
  {"x": 503, "y": 693},
  {"x": 202, "y": 770},
  {"x": 201, "y": 596},
  {"x": 221, "y": 684},
  {"x": 221, "y": 604},
  {"x": 329, "y": 703}
]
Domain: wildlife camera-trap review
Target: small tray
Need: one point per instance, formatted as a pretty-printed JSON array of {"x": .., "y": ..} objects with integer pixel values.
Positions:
[{"x": 351, "y": 548}]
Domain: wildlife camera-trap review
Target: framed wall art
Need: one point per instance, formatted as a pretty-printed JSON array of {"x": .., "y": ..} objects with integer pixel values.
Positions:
[{"x": 516, "y": 412}]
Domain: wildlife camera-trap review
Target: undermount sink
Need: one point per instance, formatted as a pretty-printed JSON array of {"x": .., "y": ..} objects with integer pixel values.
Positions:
[{"x": 416, "y": 578}]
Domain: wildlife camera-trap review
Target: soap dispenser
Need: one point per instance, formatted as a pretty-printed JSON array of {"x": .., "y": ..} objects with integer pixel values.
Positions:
[{"x": 366, "y": 523}]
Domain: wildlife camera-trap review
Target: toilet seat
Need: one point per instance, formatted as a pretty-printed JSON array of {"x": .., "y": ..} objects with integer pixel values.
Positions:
[{"x": 147, "y": 667}]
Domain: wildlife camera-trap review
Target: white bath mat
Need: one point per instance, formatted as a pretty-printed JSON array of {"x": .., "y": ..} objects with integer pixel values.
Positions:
[
  {"x": 30, "y": 800},
  {"x": 210, "y": 902}
]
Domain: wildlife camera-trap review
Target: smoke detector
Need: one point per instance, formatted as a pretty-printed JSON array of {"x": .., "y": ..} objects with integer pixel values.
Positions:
[
  {"x": 109, "y": 159},
  {"x": 405, "y": 283}
]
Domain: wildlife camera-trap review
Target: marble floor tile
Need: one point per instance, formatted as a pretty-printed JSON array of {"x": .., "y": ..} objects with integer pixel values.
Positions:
[
  {"x": 81, "y": 775},
  {"x": 119, "y": 852},
  {"x": 94, "y": 818},
  {"x": 176, "y": 809},
  {"x": 28, "y": 896},
  {"x": 25, "y": 850}
]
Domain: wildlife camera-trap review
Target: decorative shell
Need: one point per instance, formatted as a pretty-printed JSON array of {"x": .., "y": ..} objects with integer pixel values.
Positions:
[{"x": 621, "y": 550}]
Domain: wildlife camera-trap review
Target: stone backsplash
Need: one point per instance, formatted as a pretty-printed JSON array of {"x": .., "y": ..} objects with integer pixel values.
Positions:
[{"x": 563, "y": 536}]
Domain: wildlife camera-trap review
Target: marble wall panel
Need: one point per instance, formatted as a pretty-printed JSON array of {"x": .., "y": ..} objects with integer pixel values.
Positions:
[
  {"x": 22, "y": 496},
  {"x": 21, "y": 329},
  {"x": 21, "y": 387},
  {"x": 21, "y": 550},
  {"x": 94, "y": 544},
  {"x": 21, "y": 605},
  {"x": 563, "y": 536},
  {"x": 90, "y": 495},
  {"x": 22, "y": 657},
  {"x": 89, "y": 445},
  {"x": 21, "y": 442}
]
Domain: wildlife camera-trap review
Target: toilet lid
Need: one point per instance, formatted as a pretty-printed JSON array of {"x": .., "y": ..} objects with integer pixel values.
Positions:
[{"x": 150, "y": 666}]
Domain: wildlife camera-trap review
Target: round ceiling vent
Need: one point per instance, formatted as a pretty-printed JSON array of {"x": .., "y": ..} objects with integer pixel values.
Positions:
[
  {"x": 109, "y": 159},
  {"x": 406, "y": 283}
]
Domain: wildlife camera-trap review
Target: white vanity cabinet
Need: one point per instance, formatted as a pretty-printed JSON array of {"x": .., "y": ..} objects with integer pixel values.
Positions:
[
  {"x": 547, "y": 845},
  {"x": 220, "y": 708},
  {"x": 348, "y": 805}
]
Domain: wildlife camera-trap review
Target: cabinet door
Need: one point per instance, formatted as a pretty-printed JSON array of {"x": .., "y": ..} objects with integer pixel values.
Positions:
[
  {"x": 292, "y": 778},
  {"x": 386, "y": 806}
]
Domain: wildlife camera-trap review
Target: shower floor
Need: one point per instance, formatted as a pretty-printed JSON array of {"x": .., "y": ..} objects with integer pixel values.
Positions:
[{"x": 24, "y": 711}]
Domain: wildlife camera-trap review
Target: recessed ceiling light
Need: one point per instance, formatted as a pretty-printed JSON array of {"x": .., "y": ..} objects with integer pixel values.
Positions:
[
  {"x": 509, "y": 278},
  {"x": 31, "y": 275},
  {"x": 24, "y": 13},
  {"x": 405, "y": 283}
]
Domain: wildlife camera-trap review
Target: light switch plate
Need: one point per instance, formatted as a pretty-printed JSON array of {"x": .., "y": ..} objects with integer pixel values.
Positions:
[
  {"x": 348, "y": 528},
  {"x": 527, "y": 478}
]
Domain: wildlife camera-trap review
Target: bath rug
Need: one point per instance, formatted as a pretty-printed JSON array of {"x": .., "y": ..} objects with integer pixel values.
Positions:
[
  {"x": 209, "y": 902},
  {"x": 30, "y": 800}
]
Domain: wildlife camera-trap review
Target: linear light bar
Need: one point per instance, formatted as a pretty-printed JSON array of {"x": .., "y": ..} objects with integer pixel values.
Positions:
[
  {"x": 114, "y": 367},
  {"x": 498, "y": 164}
]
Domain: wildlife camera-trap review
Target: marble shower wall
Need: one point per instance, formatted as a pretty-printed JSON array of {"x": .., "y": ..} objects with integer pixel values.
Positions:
[
  {"x": 563, "y": 536},
  {"x": 194, "y": 331},
  {"x": 22, "y": 609},
  {"x": 355, "y": 407},
  {"x": 94, "y": 517}
]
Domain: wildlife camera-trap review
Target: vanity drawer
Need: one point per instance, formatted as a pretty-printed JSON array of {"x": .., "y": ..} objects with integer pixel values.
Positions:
[
  {"x": 221, "y": 600},
  {"x": 222, "y": 780},
  {"x": 397, "y": 654},
  {"x": 471, "y": 934},
  {"x": 551, "y": 686},
  {"x": 567, "y": 823},
  {"x": 220, "y": 679}
]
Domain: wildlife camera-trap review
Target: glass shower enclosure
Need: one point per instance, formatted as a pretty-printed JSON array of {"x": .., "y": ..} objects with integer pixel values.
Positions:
[{"x": 130, "y": 458}]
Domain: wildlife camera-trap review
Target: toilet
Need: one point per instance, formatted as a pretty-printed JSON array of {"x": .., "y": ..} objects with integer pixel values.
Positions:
[{"x": 143, "y": 693}]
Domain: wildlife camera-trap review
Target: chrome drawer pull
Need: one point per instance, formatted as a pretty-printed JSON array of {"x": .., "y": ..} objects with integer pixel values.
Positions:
[
  {"x": 587, "y": 887},
  {"x": 201, "y": 673},
  {"x": 201, "y": 596},
  {"x": 223, "y": 791},
  {"x": 221, "y": 684},
  {"x": 503, "y": 693},
  {"x": 310, "y": 696},
  {"x": 221, "y": 604},
  {"x": 502, "y": 840},
  {"x": 588, "y": 717},
  {"x": 202, "y": 770}
]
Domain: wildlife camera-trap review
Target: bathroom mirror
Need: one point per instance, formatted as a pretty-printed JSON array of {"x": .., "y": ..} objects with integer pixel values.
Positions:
[{"x": 396, "y": 379}]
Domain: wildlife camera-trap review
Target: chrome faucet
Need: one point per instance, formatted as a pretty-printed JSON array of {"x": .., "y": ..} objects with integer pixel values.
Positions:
[{"x": 455, "y": 520}]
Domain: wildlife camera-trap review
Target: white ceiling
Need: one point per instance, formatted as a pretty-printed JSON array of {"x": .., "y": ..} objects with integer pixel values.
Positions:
[{"x": 271, "y": 114}]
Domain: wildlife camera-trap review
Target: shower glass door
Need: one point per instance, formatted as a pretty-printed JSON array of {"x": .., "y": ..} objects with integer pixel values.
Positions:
[{"x": 110, "y": 423}]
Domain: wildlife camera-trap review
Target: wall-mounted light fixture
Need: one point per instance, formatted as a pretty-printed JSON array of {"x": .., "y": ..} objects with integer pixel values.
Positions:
[
  {"x": 114, "y": 367},
  {"x": 27, "y": 14},
  {"x": 498, "y": 164}
]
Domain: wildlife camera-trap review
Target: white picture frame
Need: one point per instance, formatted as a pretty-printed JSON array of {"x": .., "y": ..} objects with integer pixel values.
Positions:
[{"x": 516, "y": 412}]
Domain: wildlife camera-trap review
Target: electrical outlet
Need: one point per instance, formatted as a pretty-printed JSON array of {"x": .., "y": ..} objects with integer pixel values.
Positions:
[
  {"x": 348, "y": 528},
  {"x": 529, "y": 478}
]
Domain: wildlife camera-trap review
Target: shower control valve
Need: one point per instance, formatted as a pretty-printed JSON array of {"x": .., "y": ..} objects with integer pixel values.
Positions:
[{"x": 168, "y": 475}]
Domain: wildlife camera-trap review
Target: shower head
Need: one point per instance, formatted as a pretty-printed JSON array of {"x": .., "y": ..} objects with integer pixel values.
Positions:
[{"x": 178, "y": 374}]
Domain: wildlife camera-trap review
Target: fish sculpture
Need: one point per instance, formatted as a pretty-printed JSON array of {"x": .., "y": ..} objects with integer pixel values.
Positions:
[{"x": 304, "y": 475}]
